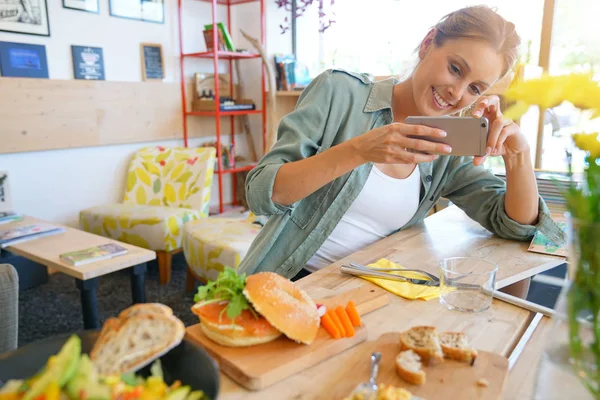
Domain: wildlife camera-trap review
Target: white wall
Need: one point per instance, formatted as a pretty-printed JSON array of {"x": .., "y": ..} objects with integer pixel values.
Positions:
[{"x": 55, "y": 185}]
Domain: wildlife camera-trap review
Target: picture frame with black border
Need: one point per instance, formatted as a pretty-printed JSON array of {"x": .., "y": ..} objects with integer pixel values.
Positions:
[
  {"x": 28, "y": 17},
  {"x": 5, "y": 195},
  {"x": 88, "y": 63},
  {"x": 140, "y": 10},
  {"x": 153, "y": 66},
  {"x": 23, "y": 60},
  {"x": 91, "y": 6}
]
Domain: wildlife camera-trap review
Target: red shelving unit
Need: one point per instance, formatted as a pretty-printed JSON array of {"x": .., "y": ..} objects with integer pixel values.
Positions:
[{"x": 228, "y": 56}]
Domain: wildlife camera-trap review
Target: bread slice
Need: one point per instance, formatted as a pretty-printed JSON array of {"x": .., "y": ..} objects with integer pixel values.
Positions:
[
  {"x": 135, "y": 342},
  {"x": 455, "y": 345},
  {"x": 409, "y": 367},
  {"x": 424, "y": 341},
  {"x": 146, "y": 308}
]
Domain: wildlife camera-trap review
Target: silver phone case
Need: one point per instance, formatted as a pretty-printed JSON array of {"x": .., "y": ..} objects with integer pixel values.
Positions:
[{"x": 466, "y": 135}]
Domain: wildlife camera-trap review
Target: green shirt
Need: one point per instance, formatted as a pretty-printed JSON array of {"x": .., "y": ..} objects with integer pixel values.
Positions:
[{"x": 335, "y": 107}]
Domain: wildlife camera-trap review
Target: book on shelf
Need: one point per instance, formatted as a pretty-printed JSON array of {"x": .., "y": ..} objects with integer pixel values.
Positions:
[
  {"x": 541, "y": 244},
  {"x": 92, "y": 254},
  {"x": 10, "y": 237},
  {"x": 9, "y": 216}
]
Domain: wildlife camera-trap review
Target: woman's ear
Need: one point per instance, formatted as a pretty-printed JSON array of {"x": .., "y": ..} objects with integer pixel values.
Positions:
[{"x": 427, "y": 43}]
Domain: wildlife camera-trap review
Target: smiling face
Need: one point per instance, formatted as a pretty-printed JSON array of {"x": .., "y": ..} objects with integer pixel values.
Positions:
[{"x": 452, "y": 76}]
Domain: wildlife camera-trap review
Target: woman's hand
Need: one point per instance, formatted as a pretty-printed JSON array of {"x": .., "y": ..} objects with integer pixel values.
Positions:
[
  {"x": 504, "y": 136},
  {"x": 391, "y": 144}
]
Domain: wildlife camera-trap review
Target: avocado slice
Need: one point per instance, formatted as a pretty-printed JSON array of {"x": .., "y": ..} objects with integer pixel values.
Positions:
[
  {"x": 196, "y": 395},
  {"x": 86, "y": 380},
  {"x": 179, "y": 393},
  {"x": 59, "y": 368}
]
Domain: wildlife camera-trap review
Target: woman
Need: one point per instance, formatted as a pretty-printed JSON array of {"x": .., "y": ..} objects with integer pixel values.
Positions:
[{"x": 344, "y": 173}]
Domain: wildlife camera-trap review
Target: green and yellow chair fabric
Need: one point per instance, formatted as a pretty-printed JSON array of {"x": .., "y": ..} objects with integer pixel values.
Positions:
[
  {"x": 166, "y": 187},
  {"x": 210, "y": 244}
]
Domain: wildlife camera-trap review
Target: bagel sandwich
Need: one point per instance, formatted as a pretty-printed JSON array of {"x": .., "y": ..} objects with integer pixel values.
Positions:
[{"x": 238, "y": 311}]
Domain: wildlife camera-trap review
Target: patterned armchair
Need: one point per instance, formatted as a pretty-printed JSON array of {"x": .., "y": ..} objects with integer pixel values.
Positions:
[
  {"x": 166, "y": 187},
  {"x": 212, "y": 243}
]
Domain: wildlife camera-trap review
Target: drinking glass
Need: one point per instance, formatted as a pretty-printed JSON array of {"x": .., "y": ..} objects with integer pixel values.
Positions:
[{"x": 467, "y": 283}]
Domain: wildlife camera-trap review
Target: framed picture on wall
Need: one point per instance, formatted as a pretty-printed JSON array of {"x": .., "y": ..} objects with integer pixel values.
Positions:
[
  {"x": 92, "y": 6},
  {"x": 23, "y": 60},
  {"x": 88, "y": 63},
  {"x": 143, "y": 10},
  {"x": 24, "y": 16},
  {"x": 5, "y": 199},
  {"x": 153, "y": 67}
]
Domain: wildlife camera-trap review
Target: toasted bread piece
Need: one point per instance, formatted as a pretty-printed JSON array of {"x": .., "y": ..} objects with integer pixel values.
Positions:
[
  {"x": 146, "y": 308},
  {"x": 455, "y": 345},
  {"x": 424, "y": 341},
  {"x": 135, "y": 342},
  {"x": 409, "y": 367}
]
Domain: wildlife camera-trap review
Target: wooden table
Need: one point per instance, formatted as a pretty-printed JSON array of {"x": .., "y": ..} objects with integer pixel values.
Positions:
[
  {"x": 46, "y": 251},
  {"x": 447, "y": 233}
]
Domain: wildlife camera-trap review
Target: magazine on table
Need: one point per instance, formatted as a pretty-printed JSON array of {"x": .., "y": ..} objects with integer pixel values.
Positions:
[
  {"x": 541, "y": 244},
  {"x": 12, "y": 236},
  {"x": 92, "y": 254}
]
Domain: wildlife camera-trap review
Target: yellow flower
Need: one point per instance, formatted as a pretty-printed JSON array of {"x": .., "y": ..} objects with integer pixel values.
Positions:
[
  {"x": 550, "y": 91},
  {"x": 588, "y": 142},
  {"x": 547, "y": 92}
]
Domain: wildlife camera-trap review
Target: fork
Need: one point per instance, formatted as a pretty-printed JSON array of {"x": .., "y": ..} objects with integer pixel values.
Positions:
[
  {"x": 369, "y": 389},
  {"x": 420, "y": 271},
  {"x": 377, "y": 274}
]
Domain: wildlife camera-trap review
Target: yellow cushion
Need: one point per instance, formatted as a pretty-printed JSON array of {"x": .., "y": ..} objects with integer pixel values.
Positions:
[
  {"x": 210, "y": 244},
  {"x": 171, "y": 177},
  {"x": 152, "y": 227}
]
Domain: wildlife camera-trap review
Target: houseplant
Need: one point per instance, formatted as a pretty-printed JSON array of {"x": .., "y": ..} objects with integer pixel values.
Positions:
[{"x": 573, "y": 349}]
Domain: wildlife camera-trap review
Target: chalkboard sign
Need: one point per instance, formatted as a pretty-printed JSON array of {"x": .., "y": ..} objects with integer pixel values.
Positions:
[
  {"x": 152, "y": 62},
  {"x": 88, "y": 62}
]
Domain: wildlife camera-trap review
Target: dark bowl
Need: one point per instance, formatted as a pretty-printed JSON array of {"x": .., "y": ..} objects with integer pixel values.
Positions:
[{"x": 187, "y": 362}]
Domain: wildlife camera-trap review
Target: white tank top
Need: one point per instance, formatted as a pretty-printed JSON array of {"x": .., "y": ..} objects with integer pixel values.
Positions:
[{"x": 384, "y": 205}]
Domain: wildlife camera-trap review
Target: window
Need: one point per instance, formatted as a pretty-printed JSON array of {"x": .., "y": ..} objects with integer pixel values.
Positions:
[
  {"x": 379, "y": 36},
  {"x": 575, "y": 48}
]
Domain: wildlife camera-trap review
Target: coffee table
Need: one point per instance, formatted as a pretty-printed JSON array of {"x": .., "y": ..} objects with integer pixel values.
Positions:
[{"x": 46, "y": 251}]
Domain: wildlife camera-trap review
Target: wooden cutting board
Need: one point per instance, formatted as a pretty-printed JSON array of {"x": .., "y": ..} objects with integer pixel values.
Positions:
[
  {"x": 257, "y": 367},
  {"x": 448, "y": 380}
]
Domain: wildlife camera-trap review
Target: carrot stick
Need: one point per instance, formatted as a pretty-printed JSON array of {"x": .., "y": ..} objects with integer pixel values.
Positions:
[
  {"x": 337, "y": 322},
  {"x": 353, "y": 313},
  {"x": 330, "y": 327},
  {"x": 341, "y": 313}
]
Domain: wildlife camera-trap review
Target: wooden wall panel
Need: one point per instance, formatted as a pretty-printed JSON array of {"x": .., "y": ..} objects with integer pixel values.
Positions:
[{"x": 41, "y": 114}]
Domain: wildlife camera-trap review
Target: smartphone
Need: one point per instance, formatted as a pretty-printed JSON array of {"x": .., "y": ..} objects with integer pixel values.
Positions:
[{"x": 466, "y": 135}]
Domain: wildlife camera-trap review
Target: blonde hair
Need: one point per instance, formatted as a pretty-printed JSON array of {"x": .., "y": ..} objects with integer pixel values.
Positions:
[{"x": 481, "y": 23}]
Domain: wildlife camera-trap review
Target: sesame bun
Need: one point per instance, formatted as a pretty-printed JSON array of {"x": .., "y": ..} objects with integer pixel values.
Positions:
[
  {"x": 285, "y": 306},
  {"x": 247, "y": 329}
]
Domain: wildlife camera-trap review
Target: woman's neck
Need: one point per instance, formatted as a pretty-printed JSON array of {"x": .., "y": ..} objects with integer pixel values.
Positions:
[{"x": 403, "y": 101}]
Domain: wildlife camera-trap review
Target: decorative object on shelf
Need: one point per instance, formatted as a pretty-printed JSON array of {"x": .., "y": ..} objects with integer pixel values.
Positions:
[
  {"x": 208, "y": 40},
  {"x": 153, "y": 67},
  {"x": 23, "y": 60},
  {"x": 271, "y": 127},
  {"x": 571, "y": 360},
  {"x": 88, "y": 62},
  {"x": 142, "y": 10},
  {"x": 82, "y": 5},
  {"x": 24, "y": 16},
  {"x": 223, "y": 35},
  {"x": 204, "y": 97},
  {"x": 325, "y": 20},
  {"x": 5, "y": 197}
]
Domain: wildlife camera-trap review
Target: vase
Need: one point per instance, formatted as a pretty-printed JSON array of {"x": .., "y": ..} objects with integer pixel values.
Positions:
[{"x": 569, "y": 367}]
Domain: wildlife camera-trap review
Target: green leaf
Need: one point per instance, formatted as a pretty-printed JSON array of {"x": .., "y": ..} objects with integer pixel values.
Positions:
[
  {"x": 157, "y": 185},
  {"x": 228, "y": 286},
  {"x": 184, "y": 177}
]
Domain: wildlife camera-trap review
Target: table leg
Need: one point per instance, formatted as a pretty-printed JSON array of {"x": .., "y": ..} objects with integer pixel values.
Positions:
[
  {"x": 138, "y": 291},
  {"x": 89, "y": 303}
]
